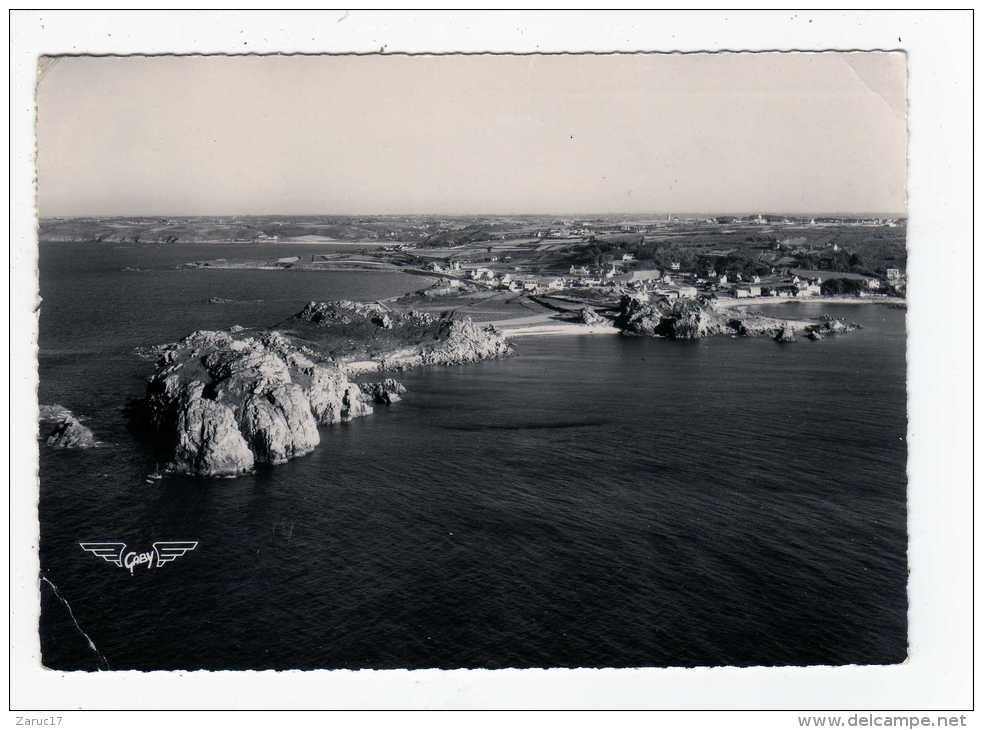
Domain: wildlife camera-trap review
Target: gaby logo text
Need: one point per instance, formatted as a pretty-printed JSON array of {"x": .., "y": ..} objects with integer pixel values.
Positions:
[{"x": 116, "y": 553}]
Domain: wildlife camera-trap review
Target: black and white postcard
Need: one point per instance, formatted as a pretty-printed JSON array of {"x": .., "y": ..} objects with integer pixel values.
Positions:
[{"x": 475, "y": 361}]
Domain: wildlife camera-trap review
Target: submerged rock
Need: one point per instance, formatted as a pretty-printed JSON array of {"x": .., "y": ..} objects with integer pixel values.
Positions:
[{"x": 60, "y": 428}]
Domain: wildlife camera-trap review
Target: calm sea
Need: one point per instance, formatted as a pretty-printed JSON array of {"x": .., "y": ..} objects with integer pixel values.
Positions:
[{"x": 595, "y": 501}]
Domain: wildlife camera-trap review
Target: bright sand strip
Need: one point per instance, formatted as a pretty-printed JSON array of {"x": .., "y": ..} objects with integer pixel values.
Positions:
[
  {"x": 560, "y": 328},
  {"x": 729, "y": 303},
  {"x": 546, "y": 323}
]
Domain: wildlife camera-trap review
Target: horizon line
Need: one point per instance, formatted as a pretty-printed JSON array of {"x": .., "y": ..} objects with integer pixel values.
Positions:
[{"x": 895, "y": 214}]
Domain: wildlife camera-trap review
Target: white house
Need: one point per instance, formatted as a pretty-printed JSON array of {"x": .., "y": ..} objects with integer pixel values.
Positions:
[{"x": 480, "y": 274}]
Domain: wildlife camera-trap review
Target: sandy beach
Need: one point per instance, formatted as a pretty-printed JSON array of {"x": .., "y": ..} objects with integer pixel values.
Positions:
[
  {"x": 560, "y": 328},
  {"x": 730, "y": 303}
]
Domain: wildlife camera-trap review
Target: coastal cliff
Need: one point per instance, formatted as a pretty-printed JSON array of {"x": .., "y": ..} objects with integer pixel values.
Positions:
[
  {"x": 228, "y": 400},
  {"x": 222, "y": 402}
]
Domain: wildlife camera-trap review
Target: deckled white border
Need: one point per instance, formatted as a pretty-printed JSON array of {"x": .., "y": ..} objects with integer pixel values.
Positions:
[{"x": 936, "y": 676}]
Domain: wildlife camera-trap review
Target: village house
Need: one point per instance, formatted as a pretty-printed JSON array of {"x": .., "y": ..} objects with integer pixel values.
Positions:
[
  {"x": 893, "y": 275},
  {"x": 482, "y": 274},
  {"x": 674, "y": 266},
  {"x": 743, "y": 292}
]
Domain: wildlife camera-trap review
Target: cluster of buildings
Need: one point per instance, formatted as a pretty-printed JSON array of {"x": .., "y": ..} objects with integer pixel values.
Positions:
[
  {"x": 670, "y": 283},
  {"x": 787, "y": 286}
]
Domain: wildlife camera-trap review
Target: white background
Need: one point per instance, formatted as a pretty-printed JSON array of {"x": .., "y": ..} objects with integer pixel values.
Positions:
[{"x": 937, "y": 675}]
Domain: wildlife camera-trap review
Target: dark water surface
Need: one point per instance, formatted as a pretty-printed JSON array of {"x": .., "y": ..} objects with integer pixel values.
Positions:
[{"x": 595, "y": 501}]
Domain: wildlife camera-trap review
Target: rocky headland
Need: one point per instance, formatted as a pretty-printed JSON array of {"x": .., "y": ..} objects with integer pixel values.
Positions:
[
  {"x": 373, "y": 337},
  {"x": 222, "y": 402},
  {"x": 690, "y": 319}
]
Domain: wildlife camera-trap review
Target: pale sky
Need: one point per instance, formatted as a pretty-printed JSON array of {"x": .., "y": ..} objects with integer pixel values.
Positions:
[{"x": 713, "y": 133}]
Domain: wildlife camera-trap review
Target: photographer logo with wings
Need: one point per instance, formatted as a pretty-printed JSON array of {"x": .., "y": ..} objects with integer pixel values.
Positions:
[{"x": 161, "y": 554}]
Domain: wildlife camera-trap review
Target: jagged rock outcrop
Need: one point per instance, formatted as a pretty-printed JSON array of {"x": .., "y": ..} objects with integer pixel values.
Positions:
[
  {"x": 223, "y": 402},
  {"x": 461, "y": 341},
  {"x": 383, "y": 392},
  {"x": 692, "y": 319},
  {"x": 637, "y": 317},
  {"x": 395, "y": 339},
  {"x": 785, "y": 334},
  {"x": 228, "y": 401},
  {"x": 589, "y": 316},
  {"x": 830, "y": 326},
  {"x": 681, "y": 319},
  {"x": 689, "y": 319},
  {"x": 61, "y": 428}
]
